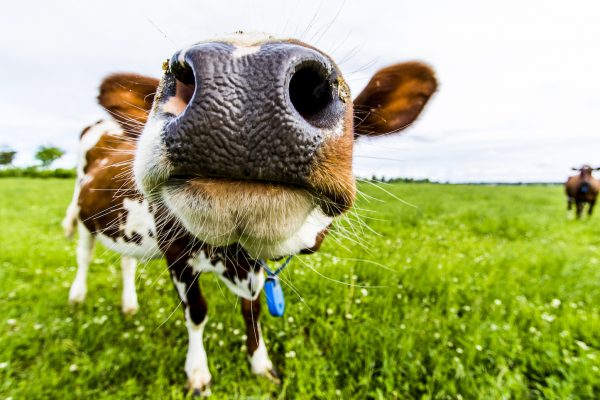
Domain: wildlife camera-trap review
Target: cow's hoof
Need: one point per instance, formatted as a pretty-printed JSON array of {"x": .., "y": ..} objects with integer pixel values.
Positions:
[
  {"x": 272, "y": 375},
  {"x": 130, "y": 309},
  {"x": 199, "y": 384},
  {"x": 129, "y": 306},
  {"x": 204, "y": 391},
  {"x": 77, "y": 294}
]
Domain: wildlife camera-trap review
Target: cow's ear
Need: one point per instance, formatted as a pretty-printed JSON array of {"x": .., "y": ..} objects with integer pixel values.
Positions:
[
  {"x": 393, "y": 98},
  {"x": 128, "y": 98}
]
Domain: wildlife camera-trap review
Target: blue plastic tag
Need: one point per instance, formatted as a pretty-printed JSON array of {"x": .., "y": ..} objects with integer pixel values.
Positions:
[{"x": 274, "y": 295}]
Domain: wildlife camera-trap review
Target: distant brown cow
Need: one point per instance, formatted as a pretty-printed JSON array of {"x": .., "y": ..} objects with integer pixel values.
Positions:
[{"x": 581, "y": 189}]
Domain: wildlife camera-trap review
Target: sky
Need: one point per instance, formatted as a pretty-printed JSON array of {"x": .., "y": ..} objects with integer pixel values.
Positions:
[{"x": 519, "y": 94}]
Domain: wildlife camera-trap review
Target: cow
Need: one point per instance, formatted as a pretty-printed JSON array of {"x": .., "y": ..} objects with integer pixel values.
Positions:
[
  {"x": 241, "y": 152},
  {"x": 581, "y": 189}
]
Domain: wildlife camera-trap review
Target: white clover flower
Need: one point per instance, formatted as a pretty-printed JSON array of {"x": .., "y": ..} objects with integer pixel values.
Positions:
[
  {"x": 459, "y": 350},
  {"x": 364, "y": 292},
  {"x": 357, "y": 301},
  {"x": 548, "y": 317},
  {"x": 141, "y": 328},
  {"x": 555, "y": 303},
  {"x": 236, "y": 332},
  {"x": 11, "y": 321},
  {"x": 348, "y": 316},
  {"x": 126, "y": 335},
  {"x": 221, "y": 343},
  {"x": 478, "y": 347},
  {"x": 498, "y": 302},
  {"x": 582, "y": 345},
  {"x": 37, "y": 326},
  {"x": 290, "y": 354},
  {"x": 329, "y": 311},
  {"x": 73, "y": 368},
  {"x": 494, "y": 327},
  {"x": 290, "y": 320},
  {"x": 402, "y": 326},
  {"x": 3, "y": 365},
  {"x": 399, "y": 296},
  {"x": 219, "y": 326},
  {"x": 244, "y": 337}
]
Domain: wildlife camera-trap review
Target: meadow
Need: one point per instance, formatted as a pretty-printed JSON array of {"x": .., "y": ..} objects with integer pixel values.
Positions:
[{"x": 468, "y": 292}]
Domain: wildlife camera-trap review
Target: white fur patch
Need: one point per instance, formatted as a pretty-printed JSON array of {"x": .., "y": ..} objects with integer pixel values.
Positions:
[
  {"x": 304, "y": 238},
  {"x": 85, "y": 248},
  {"x": 140, "y": 221},
  {"x": 180, "y": 286},
  {"x": 151, "y": 166},
  {"x": 196, "y": 362},
  {"x": 129, "y": 301},
  {"x": 242, "y": 51},
  {"x": 260, "y": 362},
  {"x": 248, "y": 288}
]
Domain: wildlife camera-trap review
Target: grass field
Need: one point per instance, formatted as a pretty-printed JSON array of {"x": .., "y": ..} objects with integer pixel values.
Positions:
[{"x": 478, "y": 292}]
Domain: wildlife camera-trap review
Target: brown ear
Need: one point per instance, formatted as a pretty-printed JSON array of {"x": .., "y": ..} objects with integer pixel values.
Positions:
[
  {"x": 393, "y": 98},
  {"x": 128, "y": 98}
]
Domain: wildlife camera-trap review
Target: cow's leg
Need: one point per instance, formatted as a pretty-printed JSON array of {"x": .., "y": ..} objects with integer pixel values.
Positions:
[
  {"x": 257, "y": 351},
  {"x": 129, "y": 301},
  {"x": 569, "y": 203},
  {"x": 591, "y": 209},
  {"x": 70, "y": 220},
  {"x": 195, "y": 310},
  {"x": 85, "y": 248},
  {"x": 579, "y": 209}
]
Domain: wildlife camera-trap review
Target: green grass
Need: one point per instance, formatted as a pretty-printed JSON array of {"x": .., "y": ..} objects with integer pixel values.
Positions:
[{"x": 479, "y": 292}]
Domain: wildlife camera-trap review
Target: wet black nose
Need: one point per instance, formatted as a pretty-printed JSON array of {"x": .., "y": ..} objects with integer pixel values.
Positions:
[{"x": 252, "y": 112}]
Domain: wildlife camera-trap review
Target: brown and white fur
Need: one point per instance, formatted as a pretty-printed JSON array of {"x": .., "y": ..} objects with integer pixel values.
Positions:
[{"x": 140, "y": 198}]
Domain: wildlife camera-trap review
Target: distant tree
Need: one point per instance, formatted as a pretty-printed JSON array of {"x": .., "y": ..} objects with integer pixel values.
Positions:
[
  {"x": 7, "y": 155},
  {"x": 48, "y": 154}
]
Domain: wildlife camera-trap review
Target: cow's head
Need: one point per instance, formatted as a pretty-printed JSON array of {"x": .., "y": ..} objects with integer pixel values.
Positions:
[
  {"x": 249, "y": 139},
  {"x": 586, "y": 170}
]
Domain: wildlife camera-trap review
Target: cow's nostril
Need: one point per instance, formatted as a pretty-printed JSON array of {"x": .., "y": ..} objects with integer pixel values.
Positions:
[
  {"x": 310, "y": 91},
  {"x": 183, "y": 72}
]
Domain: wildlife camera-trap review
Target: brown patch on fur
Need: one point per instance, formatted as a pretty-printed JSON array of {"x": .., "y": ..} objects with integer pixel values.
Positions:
[
  {"x": 108, "y": 183},
  {"x": 128, "y": 98},
  {"x": 331, "y": 173},
  {"x": 393, "y": 98}
]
